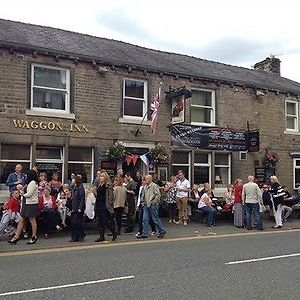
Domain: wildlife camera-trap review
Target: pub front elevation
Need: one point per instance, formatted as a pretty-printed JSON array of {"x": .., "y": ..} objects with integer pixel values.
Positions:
[{"x": 67, "y": 98}]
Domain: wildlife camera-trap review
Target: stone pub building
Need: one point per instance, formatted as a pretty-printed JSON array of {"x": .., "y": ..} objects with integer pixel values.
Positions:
[{"x": 66, "y": 97}]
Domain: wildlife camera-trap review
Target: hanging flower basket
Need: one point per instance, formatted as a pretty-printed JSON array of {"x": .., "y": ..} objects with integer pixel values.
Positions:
[
  {"x": 116, "y": 152},
  {"x": 270, "y": 158},
  {"x": 160, "y": 154}
]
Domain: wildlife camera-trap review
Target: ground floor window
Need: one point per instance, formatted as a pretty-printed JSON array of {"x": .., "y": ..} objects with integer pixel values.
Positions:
[
  {"x": 199, "y": 168},
  {"x": 48, "y": 159},
  {"x": 222, "y": 170},
  {"x": 81, "y": 161},
  {"x": 181, "y": 161},
  {"x": 11, "y": 155},
  {"x": 296, "y": 163},
  {"x": 202, "y": 164}
]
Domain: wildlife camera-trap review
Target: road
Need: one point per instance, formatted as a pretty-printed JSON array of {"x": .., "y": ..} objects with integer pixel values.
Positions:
[{"x": 191, "y": 268}]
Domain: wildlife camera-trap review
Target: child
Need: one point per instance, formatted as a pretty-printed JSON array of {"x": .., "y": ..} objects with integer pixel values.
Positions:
[
  {"x": 55, "y": 184},
  {"x": 90, "y": 202},
  {"x": 12, "y": 212},
  {"x": 61, "y": 202},
  {"x": 42, "y": 183}
]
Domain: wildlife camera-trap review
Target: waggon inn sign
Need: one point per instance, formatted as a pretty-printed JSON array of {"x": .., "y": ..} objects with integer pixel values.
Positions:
[{"x": 51, "y": 126}]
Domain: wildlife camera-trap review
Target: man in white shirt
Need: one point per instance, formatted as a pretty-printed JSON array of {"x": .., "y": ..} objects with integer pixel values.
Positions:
[
  {"x": 183, "y": 187},
  {"x": 252, "y": 197}
]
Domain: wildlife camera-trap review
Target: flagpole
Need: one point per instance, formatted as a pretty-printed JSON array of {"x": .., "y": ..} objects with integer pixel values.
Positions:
[{"x": 138, "y": 129}]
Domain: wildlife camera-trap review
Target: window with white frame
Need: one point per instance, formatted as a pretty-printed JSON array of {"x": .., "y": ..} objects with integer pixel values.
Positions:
[
  {"x": 202, "y": 163},
  {"x": 203, "y": 107},
  {"x": 296, "y": 163},
  {"x": 222, "y": 170},
  {"x": 81, "y": 162},
  {"x": 11, "y": 155},
  {"x": 181, "y": 161},
  {"x": 291, "y": 115},
  {"x": 50, "y": 89},
  {"x": 134, "y": 98}
]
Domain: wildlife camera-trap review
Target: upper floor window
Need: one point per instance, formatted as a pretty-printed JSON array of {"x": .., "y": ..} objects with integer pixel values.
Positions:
[
  {"x": 203, "y": 107},
  {"x": 134, "y": 98},
  {"x": 291, "y": 115},
  {"x": 50, "y": 89}
]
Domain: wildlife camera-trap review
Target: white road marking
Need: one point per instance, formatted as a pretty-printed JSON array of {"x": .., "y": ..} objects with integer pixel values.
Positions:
[
  {"x": 66, "y": 286},
  {"x": 261, "y": 259}
]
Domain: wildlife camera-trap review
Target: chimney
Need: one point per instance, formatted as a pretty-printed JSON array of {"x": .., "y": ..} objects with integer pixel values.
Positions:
[{"x": 270, "y": 65}]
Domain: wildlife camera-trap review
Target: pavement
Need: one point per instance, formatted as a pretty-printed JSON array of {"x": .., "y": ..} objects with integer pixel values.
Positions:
[{"x": 193, "y": 229}]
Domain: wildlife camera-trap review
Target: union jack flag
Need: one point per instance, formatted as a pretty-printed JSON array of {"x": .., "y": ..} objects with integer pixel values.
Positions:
[{"x": 154, "y": 111}]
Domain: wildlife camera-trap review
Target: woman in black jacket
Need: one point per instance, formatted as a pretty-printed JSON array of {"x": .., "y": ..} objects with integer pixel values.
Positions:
[
  {"x": 78, "y": 207},
  {"x": 105, "y": 207},
  {"x": 277, "y": 195}
]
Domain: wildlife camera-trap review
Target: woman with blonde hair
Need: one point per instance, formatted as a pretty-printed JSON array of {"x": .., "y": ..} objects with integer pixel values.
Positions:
[
  {"x": 277, "y": 193},
  {"x": 238, "y": 208},
  {"x": 170, "y": 188},
  {"x": 105, "y": 207}
]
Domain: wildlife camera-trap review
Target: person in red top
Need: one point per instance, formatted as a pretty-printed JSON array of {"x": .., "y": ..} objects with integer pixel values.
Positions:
[
  {"x": 55, "y": 184},
  {"x": 12, "y": 212},
  {"x": 238, "y": 206},
  {"x": 48, "y": 212}
]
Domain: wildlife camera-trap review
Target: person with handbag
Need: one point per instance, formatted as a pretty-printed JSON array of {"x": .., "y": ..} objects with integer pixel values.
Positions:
[
  {"x": 29, "y": 208},
  {"x": 277, "y": 193}
]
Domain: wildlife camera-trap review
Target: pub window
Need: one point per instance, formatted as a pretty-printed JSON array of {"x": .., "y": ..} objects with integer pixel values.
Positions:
[
  {"x": 291, "y": 115},
  {"x": 203, "y": 107},
  {"x": 296, "y": 163},
  {"x": 50, "y": 89},
  {"x": 222, "y": 170},
  {"x": 81, "y": 163},
  {"x": 11, "y": 155},
  {"x": 202, "y": 164},
  {"x": 49, "y": 160},
  {"x": 181, "y": 161},
  {"x": 134, "y": 98}
]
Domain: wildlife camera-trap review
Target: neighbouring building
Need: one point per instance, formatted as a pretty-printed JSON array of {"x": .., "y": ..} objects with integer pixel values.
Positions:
[{"x": 65, "y": 98}]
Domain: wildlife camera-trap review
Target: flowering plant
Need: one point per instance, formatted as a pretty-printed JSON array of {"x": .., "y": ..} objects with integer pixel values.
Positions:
[
  {"x": 271, "y": 158},
  {"x": 160, "y": 154},
  {"x": 116, "y": 151}
]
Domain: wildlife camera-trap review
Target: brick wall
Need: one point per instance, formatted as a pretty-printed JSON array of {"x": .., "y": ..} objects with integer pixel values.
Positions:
[{"x": 98, "y": 101}]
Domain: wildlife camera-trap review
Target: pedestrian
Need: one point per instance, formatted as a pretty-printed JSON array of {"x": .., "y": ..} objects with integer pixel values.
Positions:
[
  {"x": 286, "y": 210},
  {"x": 90, "y": 200},
  {"x": 78, "y": 207},
  {"x": 15, "y": 178},
  {"x": 252, "y": 198},
  {"x": 120, "y": 196},
  {"x": 105, "y": 207},
  {"x": 29, "y": 207},
  {"x": 131, "y": 190},
  {"x": 150, "y": 201},
  {"x": 139, "y": 209},
  {"x": 183, "y": 187},
  {"x": 238, "y": 209},
  {"x": 170, "y": 188},
  {"x": 277, "y": 193}
]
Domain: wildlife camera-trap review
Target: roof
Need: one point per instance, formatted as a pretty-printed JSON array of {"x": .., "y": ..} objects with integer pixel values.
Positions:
[{"x": 38, "y": 38}]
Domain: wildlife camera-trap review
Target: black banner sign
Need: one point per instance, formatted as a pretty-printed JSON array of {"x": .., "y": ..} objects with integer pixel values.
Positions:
[{"x": 216, "y": 138}]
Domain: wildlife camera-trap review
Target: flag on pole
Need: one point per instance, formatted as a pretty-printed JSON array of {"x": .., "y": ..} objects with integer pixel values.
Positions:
[{"x": 154, "y": 110}]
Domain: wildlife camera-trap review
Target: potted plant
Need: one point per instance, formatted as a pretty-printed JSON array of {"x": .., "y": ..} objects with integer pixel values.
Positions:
[
  {"x": 160, "y": 154},
  {"x": 116, "y": 151},
  {"x": 270, "y": 158}
]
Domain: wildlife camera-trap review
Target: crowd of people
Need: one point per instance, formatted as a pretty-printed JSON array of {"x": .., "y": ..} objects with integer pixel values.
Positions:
[{"x": 136, "y": 198}]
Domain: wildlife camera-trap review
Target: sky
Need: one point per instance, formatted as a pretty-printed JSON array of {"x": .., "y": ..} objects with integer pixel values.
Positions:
[{"x": 236, "y": 32}]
